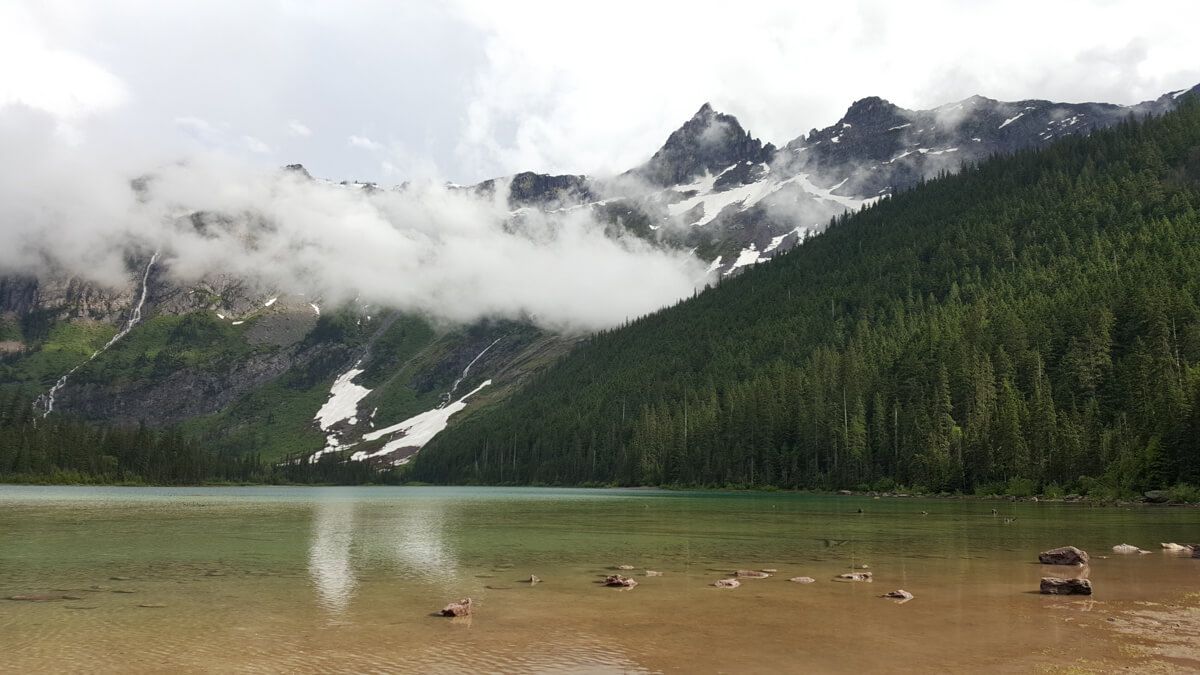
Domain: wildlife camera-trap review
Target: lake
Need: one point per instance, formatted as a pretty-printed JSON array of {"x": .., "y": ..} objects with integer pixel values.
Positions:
[{"x": 297, "y": 579}]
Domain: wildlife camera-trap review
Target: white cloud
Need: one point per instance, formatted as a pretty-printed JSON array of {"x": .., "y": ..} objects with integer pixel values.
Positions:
[
  {"x": 255, "y": 145},
  {"x": 364, "y": 143},
  {"x": 295, "y": 128}
]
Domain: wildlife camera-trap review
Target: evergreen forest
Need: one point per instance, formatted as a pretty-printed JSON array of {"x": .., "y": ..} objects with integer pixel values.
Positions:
[{"x": 1030, "y": 325}]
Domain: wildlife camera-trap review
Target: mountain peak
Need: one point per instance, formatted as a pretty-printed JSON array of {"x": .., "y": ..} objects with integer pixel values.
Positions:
[
  {"x": 710, "y": 141},
  {"x": 869, "y": 108}
]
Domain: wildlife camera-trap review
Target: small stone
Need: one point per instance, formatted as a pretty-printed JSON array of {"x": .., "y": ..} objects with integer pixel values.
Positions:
[
  {"x": 1063, "y": 555},
  {"x": 803, "y": 580},
  {"x": 751, "y": 574},
  {"x": 899, "y": 594},
  {"x": 770, "y": 570},
  {"x": 43, "y": 597},
  {"x": 652, "y": 573},
  {"x": 727, "y": 583},
  {"x": 1125, "y": 548},
  {"x": 460, "y": 608},
  {"x": 1059, "y": 586},
  {"x": 856, "y": 576},
  {"x": 616, "y": 580},
  {"x": 625, "y": 567},
  {"x": 534, "y": 580}
]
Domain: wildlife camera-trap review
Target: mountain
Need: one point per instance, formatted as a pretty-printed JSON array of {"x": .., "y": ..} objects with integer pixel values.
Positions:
[
  {"x": 1028, "y": 325},
  {"x": 244, "y": 369}
]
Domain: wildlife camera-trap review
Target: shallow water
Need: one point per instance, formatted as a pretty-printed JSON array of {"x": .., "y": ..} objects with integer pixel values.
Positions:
[{"x": 348, "y": 579}]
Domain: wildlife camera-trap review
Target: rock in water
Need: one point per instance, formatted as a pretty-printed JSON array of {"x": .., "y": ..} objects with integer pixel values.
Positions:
[
  {"x": 1125, "y": 548},
  {"x": 652, "y": 573},
  {"x": 43, "y": 597},
  {"x": 899, "y": 594},
  {"x": 460, "y": 608},
  {"x": 1063, "y": 555},
  {"x": 625, "y": 567},
  {"x": 803, "y": 580},
  {"x": 727, "y": 583},
  {"x": 619, "y": 581},
  {"x": 856, "y": 576},
  {"x": 1196, "y": 550},
  {"x": 751, "y": 574},
  {"x": 1057, "y": 586},
  {"x": 533, "y": 579}
]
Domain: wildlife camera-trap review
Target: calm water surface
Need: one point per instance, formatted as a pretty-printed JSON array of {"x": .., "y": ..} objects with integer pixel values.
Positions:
[{"x": 348, "y": 579}]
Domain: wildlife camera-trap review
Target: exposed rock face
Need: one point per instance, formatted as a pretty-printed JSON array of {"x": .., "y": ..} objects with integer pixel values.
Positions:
[
  {"x": 538, "y": 189},
  {"x": 1063, "y": 555},
  {"x": 1059, "y": 586},
  {"x": 460, "y": 608},
  {"x": 184, "y": 393},
  {"x": 709, "y": 142},
  {"x": 616, "y": 580}
]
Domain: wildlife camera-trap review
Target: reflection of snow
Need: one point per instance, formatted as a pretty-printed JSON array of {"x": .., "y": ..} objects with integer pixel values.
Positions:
[
  {"x": 329, "y": 555},
  {"x": 416, "y": 543}
]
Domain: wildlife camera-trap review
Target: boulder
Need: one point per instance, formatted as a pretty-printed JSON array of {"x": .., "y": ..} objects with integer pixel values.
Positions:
[
  {"x": 727, "y": 583},
  {"x": 1063, "y": 555},
  {"x": 751, "y": 574},
  {"x": 856, "y": 576},
  {"x": 1156, "y": 496},
  {"x": 802, "y": 580},
  {"x": 460, "y": 608},
  {"x": 899, "y": 594},
  {"x": 618, "y": 581},
  {"x": 1058, "y": 586}
]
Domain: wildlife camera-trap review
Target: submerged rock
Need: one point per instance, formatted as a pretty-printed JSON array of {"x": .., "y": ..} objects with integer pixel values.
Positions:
[
  {"x": 619, "y": 581},
  {"x": 1063, "y": 555},
  {"x": 751, "y": 574},
  {"x": 1059, "y": 586},
  {"x": 652, "y": 573},
  {"x": 803, "y": 580},
  {"x": 856, "y": 576},
  {"x": 1127, "y": 548},
  {"x": 460, "y": 608},
  {"x": 727, "y": 583},
  {"x": 625, "y": 567},
  {"x": 43, "y": 597}
]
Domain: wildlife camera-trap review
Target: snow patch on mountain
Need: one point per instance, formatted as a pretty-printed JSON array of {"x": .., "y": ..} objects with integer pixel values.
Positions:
[
  {"x": 343, "y": 400},
  {"x": 417, "y": 430}
]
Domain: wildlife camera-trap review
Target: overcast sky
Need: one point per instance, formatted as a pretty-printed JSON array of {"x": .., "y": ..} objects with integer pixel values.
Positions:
[{"x": 466, "y": 90}]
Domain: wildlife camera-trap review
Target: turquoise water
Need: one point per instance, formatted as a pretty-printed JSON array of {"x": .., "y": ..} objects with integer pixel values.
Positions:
[{"x": 318, "y": 579}]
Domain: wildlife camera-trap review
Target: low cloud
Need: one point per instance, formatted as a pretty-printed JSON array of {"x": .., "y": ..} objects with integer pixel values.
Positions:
[{"x": 425, "y": 248}]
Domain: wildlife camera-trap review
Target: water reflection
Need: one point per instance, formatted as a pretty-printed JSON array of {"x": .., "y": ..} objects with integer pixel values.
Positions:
[
  {"x": 415, "y": 542},
  {"x": 329, "y": 556}
]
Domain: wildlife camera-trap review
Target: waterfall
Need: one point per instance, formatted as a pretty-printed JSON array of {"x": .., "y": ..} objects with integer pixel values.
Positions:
[{"x": 45, "y": 402}]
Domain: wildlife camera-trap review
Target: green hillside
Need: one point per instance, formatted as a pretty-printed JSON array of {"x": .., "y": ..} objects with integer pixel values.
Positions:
[{"x": 1030, "y": 324}]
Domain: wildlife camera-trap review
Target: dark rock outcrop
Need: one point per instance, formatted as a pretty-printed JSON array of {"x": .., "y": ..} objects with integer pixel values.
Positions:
[
  {"x": 1059, "y": 586},
  {"x": 1063, "y": 555},
  {"x": 709, "y": 142}
]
